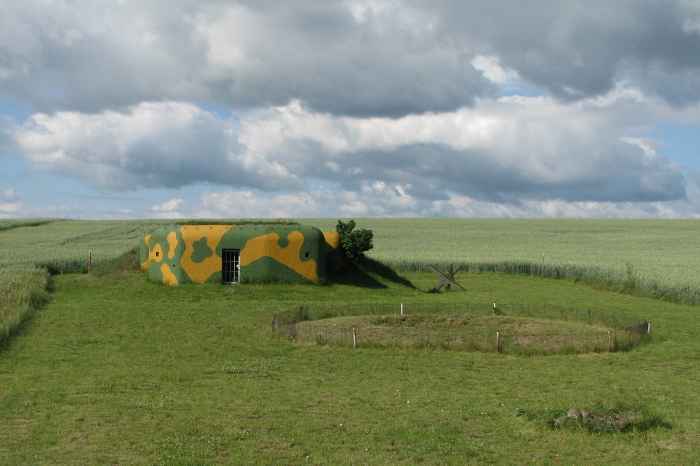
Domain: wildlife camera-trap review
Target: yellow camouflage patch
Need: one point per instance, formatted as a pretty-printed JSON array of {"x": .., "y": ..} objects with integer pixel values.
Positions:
[
  {"x": 147, "y": 262},
  {"x": 332, "y": 239},
  {"x": 268, "y": 246},
  {"x": 172, "y": 244},
  {"x": 200, "y": 272},
  {"x": 196, "y": 250},
  {"x": 169, "y": 277}
]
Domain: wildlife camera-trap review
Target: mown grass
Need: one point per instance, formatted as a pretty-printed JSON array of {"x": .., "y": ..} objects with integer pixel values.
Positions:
[
  {"x": 117, "y": 370},
  {"x": 628, "y": 281}
]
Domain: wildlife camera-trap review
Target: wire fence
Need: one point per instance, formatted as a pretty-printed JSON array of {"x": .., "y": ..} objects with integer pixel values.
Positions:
[{"x": 489, "y": 327}]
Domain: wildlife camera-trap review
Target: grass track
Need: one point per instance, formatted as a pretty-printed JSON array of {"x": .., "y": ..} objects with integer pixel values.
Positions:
[{"x": 117, "y": 370}]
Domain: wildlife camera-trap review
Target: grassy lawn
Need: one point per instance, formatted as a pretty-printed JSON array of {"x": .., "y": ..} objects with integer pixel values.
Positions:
[{"x": 116, "y": 370}]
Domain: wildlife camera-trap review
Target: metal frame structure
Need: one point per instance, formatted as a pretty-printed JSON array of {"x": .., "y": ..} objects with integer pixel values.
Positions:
[{"x": 230, "y": 266}]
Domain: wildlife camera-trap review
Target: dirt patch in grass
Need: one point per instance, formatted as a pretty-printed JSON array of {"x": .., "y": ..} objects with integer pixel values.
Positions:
[
  {"x": 466, "y": 333},
  {"x": 600, "y": 418}
]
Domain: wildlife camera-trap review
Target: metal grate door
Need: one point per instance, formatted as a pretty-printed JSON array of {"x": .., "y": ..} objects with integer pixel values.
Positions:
[{"x": 230, "y": 266}]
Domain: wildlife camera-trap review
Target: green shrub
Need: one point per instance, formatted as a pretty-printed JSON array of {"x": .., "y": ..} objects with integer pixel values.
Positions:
[{"x": 354, "y": 242}]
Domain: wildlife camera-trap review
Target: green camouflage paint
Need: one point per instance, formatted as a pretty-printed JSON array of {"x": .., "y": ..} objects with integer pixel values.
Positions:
[{"x": 268, "y": 253}]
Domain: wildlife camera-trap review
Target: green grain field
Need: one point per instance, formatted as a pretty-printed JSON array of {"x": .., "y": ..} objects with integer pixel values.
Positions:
[
  {"x": 108, "y": 368},
  {"x": 660, "y": 250}
]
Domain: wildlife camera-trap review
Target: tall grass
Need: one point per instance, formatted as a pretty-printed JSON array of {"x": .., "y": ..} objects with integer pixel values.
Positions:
[
  {"x": 659, "y": 250},
  {"x": 65, "y": 246},
  {"x": 22, "y": 292},
  {"x": 628, "y": 281},
  {"x": 10, "y": 224}
]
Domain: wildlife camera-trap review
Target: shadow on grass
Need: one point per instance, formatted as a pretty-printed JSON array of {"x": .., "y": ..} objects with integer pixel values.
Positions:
[
  {"x": 365, "y": 273},
  {"x": 127, "y": 262},
  {"x": 354, "y": 276},
  {"x": 21, "y": 329},
  {"x": 384, "y": 271}
]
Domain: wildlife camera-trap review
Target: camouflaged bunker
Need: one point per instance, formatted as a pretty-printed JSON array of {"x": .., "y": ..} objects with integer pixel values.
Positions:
[{"x": 179, "y": 254}]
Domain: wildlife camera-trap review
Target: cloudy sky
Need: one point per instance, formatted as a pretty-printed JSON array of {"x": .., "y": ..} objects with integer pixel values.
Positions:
[{"x": 256, "y": 108}]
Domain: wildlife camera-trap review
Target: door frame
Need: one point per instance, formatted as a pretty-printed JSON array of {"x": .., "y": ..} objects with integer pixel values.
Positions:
[{"x": 234, "y": 266}]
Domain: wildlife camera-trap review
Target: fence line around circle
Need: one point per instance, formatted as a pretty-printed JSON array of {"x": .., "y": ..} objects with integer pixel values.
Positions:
[{"x": 621, "y": 331}]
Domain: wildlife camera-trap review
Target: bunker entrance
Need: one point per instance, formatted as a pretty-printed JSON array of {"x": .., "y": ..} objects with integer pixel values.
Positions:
[{"x": 230, "y": 266}]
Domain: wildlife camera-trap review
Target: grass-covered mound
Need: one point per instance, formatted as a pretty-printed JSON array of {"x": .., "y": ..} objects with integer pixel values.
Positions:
[
  {"x": 459, "y": 332},
  {"x": 601, "y": 418}
]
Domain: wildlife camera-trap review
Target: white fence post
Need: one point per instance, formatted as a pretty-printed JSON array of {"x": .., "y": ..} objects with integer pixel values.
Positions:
[{"x": 354, "y": 338}]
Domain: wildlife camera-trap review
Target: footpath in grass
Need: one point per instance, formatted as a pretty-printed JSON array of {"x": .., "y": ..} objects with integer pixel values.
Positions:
[{"x": 117, "y": 370}]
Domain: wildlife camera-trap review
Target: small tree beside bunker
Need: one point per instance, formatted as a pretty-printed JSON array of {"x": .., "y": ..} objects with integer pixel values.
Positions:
[{"x": 354, "y": 243}]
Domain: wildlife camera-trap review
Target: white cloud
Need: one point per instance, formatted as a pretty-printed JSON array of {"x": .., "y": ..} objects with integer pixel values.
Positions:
[
  {"x": 10, "y": 204},
  {"x": 510, "y": 148},
  {"x": 364, "y": 107},
  {"x": 362, "y": 58},
  {"x": 9, "y": 209},
  {"x": 383, "y": 200},
  {"x": 169, "y": 205},
  {"x": 169, "y": 208},
  {"x": 8, "y": 194},
  {"x": 376, "y": 199},
  {"x": 492, "y": 70},
  {"x": 251, "y": 204},
  {"x": 164, "y": 144},
  {"x": 386, "y": 57}
]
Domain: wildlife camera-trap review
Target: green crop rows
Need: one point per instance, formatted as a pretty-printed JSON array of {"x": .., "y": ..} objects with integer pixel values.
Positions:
[
  {"x": 653, "y": 258},
  {"x": 66, "y": 245},
  {"x": 659, "y": 249}
]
